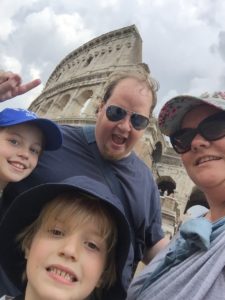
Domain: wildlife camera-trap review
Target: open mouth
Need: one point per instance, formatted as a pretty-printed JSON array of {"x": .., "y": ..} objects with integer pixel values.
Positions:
[
  {"x": 62, "y": 273},
  {"x": 118, "y": 139}
]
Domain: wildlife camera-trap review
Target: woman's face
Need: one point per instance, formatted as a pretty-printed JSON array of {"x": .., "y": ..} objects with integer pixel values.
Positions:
[{"x": 205, "y": 162}]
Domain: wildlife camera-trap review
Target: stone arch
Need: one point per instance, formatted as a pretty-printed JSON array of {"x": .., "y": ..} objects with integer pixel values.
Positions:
[
  {"x": 197, "y": 197},
  {"x": 45, "y": 107},
  {"x": 166, "y": 185},
  {"x": 59, "y": 104},
  {"x": 81, "y": 104},
  {"x": 88, "y": 61},
  {"x": 157, "y": 152}
]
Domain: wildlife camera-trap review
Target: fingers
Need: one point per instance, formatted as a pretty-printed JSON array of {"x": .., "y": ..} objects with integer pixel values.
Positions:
[
  {"x": 10, "y": 85},
  {"x": 28, "y": 86},
  {"x": 6, "y": 88},
  {"x": 6, "y": 75}
]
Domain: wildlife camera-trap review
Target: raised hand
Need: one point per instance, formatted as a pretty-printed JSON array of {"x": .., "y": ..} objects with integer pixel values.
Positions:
[{"x": 11, "y": 85}]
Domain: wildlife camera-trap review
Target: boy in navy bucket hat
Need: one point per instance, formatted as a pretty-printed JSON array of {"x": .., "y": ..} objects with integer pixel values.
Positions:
[
  {"x": 23, "y": 137},
  {"x": 71, "y": 241}
]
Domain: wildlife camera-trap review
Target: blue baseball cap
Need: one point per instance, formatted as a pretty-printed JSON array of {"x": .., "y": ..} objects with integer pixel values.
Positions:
[
  {"x": 26, "y": 208},
  {"x": 50, "y": 130}
]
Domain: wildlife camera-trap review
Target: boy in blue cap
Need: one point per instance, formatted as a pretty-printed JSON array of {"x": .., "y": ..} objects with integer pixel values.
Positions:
[
  {"x": 70, "y": 243},
  {"x": 23, "y": 137}
]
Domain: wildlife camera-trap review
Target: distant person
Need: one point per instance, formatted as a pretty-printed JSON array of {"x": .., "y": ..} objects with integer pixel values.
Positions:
[
  {"x": 23, "y": 138},
  {"x": 192, "y": 266},
  {"x": 105, "y": 152},
  {"x": 65, "y": 241}
]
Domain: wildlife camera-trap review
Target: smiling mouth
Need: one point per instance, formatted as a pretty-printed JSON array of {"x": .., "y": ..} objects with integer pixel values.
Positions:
[
  {"x": 17, "y": 165},
  {"x": 206, "y": 159},
  {"x": 65, "y": 275}
]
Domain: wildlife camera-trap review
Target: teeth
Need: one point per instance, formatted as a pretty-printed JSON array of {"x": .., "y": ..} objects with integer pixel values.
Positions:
[
  {"x": 61, "y": 273},
  {"x": 18, "y": 165},
  {"x": 208, "y": 158},
  {"x": 118, "y": 139}
]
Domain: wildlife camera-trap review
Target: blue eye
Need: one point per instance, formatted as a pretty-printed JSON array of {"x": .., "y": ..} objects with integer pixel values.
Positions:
[
  {"x": 14, "y": 142},
  {"x": 35, "y": 151}
]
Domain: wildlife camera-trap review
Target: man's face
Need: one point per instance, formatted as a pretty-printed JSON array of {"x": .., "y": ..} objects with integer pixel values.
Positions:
[{"x": 116, "y": 140}]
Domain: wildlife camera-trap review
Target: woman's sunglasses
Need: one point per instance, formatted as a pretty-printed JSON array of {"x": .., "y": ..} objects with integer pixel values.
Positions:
[
  {"x": 212, "y": 128},
  {"x": 115, "y": 113}
]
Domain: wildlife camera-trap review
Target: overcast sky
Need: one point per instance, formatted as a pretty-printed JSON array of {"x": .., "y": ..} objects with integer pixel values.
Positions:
[{"x": 183, "y": 40}]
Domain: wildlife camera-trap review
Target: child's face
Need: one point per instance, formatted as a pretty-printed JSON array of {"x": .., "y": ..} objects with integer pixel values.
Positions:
[
  {"x": 64, "y": 262},
  {"x": 20, "y": 147}
]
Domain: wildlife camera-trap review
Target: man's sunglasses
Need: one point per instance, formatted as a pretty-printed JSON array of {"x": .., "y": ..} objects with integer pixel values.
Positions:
[
  {"x": 115, "y": 113},
  {"x": 212, "y": 128}
]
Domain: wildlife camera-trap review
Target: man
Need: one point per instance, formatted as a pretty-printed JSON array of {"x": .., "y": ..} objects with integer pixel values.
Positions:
[{"x": 121, "y": 119}]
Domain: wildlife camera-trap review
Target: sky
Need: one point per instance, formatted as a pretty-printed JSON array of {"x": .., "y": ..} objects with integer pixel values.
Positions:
[{"x": 183, "y": 40}]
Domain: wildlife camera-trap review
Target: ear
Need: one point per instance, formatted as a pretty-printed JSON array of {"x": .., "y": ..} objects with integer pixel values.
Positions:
[
  {"x": 98, "y": 285},
  {"x": 27, "y": 252},
  {"x": 100, "y": 106}
]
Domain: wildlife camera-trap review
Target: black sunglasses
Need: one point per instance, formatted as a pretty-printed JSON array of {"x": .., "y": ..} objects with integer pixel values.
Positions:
[
  {"x": 115, "y": 113},
  {"x": 212, "y": 128}
]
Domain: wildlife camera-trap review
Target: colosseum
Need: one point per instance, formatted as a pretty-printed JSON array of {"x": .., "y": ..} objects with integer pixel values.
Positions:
[{"x": 72, "y": 94}]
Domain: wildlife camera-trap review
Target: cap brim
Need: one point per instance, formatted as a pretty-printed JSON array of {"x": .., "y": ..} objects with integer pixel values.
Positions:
[
  {"x": 173, "y": 111},
  {"x": 51, "y": 131},
  {"x": 26, "y": 208}
]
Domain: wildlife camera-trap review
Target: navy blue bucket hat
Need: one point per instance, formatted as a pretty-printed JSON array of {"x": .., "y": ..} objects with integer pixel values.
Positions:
[
  {"x": 50, "y": 130},
  {"x": 28, "y": 205}
]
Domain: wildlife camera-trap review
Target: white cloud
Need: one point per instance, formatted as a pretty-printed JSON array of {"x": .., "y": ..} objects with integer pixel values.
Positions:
[
  {"x": 35, "y": 72},
  {"x": 108, "y": 3},
  {"x": 6, "y": 28},
  {"x": 8, "y": 9},
  {"x": 10, "y": 63},
  {"x": 183, "y": 41}
]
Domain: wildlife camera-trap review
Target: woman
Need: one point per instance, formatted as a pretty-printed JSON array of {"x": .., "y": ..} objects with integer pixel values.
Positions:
[{"x": 192, "y": 266}]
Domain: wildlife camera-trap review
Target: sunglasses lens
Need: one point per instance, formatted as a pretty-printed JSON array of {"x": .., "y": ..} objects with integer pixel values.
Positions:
[
  {"x": 115, "y": 113},
  {"x": 139, "y": 122},
  {"x": 181, "y": 140},
  {"x": 213, "y": 130}
]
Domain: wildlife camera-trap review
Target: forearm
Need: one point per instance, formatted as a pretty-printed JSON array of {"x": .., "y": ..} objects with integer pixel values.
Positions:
[{"x": 150, "y": 253}]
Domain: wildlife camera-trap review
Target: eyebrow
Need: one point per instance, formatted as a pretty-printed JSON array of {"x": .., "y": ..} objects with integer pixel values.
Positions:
[{"x": 20, "y": 136}]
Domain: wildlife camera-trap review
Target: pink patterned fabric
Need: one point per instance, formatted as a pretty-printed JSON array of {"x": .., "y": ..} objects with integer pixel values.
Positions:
[{"x": 174, "y": 110}]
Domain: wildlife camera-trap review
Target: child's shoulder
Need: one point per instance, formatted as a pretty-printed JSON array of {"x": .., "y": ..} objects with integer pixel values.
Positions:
[{"x": 6, "y": 298}]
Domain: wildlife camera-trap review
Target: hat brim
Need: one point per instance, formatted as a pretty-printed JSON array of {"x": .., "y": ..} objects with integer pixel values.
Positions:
[
  {"x": 173, "y": 111},
  {"x": 51, "y": 132},
  {"x": 26, "y": 208}
]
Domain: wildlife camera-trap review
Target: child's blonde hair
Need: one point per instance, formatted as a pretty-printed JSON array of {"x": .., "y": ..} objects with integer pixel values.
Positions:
[{"x": 78, "y": 209}]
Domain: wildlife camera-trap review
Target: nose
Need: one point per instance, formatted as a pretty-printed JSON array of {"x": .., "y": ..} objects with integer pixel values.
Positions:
[
  {"x": 69, "y": 249},
  {"x": 199, "y": 142},
  {"x": 125, "y": 123},
  {"x": 24, "y": 153}
]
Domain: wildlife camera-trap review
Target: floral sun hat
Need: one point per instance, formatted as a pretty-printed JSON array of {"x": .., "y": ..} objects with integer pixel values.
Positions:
[{"x": 174, "y": 110}]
